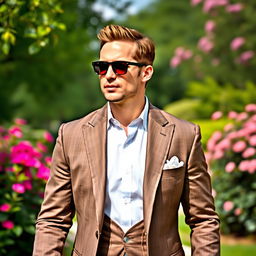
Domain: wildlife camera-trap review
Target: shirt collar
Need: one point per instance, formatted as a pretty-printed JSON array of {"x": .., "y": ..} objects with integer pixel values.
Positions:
[{"x": 143, "y": 115}]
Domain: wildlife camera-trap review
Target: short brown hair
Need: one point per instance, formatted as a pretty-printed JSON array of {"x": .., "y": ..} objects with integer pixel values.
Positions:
[{"x": 146, "y": 49}]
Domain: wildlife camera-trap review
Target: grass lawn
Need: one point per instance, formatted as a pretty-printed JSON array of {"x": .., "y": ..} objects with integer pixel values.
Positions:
[{"x": 226, "y": 249}]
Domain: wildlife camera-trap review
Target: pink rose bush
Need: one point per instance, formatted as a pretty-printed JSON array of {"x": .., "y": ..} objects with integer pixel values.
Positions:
[
  {"x": 24, "y": 169},
  {"x": 231, "y": 155}
]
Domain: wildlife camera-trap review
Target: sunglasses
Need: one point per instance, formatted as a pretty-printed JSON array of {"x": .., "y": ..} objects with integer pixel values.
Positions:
[{"x": 119, "y": 67}]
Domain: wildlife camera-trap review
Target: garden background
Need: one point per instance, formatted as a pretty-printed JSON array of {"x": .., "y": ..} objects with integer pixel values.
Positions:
[{"x": 204, "y": 73}]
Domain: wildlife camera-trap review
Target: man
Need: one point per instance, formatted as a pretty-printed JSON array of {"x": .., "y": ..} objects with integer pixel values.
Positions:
[{"x": 124, "y": 169}]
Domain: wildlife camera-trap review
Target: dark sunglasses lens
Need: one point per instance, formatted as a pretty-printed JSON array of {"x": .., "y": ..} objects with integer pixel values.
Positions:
[
  {"x": 120, "y": 68},
  {"x": 100, "y": 67}
]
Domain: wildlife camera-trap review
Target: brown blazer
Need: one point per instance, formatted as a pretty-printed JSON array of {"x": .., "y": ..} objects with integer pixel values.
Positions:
[{"x": 78, "y": 179}]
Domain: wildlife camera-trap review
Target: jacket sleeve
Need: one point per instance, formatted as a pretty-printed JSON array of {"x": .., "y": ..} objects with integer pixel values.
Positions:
[
  {"x": 57, "y": 211},
  {"x": 198, "y": 203}
]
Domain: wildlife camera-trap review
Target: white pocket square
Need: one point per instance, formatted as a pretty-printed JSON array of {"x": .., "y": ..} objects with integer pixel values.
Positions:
[{"x": 173, "y": 163}]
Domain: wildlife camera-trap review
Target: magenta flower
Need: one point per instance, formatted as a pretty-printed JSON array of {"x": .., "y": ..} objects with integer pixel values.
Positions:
[
  {"x": 228, "y": 206},
  {"x": 48, "y": 160},
  {"x": 205, "y": 44},
  {"x": 8, "y": 224},
  {"x": 16, "y": 131},
  {"x": 233, "y": 8},
  {"x": 19, "y": 188},
  {"x": 250, "y": 108},
  {"x": 27, "y": 184},
  {"x": 230, "y": 167},
  {"x": 5, "y": 207},
  {"x": 41, "y": 147},
  {"x": 209, "y": 26},
  {"x": 239, "y": 146},
  {"x": 43, "y": 172},
  {"x": 216, "y": 115},
  {"x": 237, "y": 43},
  {"x": 48, "y": 137}
]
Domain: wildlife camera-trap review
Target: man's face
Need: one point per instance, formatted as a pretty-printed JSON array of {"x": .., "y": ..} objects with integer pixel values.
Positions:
[{"x": 121, "y": 88}]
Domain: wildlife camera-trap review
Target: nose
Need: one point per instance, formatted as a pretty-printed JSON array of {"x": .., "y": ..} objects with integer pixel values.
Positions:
[{"x": 110, "y": 73}]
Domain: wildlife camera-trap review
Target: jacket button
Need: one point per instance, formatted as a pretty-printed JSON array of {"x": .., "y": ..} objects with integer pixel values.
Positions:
[
  {"x": 126, "y": 239},
  {"x": 97, "y": 234}
]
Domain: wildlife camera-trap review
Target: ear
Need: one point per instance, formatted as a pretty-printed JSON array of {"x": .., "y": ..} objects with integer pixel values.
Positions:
[{"x": 147, "y": 73}]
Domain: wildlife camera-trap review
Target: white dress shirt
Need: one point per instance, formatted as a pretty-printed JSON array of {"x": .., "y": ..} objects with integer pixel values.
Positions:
[{"x": 126, "y": 155}]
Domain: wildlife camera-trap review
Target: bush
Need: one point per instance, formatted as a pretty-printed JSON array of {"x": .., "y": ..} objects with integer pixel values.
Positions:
[
  {"x": 232, "y": 159},
  {"x": 24, "y": 169}
]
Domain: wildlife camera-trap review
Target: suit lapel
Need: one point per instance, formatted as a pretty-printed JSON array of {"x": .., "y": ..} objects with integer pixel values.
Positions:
[
  {"x": 160, "y": 133},
  {"x": 94, "y": 133}
]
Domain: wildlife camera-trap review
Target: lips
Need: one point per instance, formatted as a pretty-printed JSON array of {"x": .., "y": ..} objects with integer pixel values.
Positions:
[{"x": 111, "y": 86}]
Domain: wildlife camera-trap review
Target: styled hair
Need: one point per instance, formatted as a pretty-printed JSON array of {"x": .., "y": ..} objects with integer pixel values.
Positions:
[{"x": 145, "y": 47}]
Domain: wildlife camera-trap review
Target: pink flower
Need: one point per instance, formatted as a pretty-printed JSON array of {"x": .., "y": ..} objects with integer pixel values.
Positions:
[
  {"x": 250, "y": 108},
  {"x": 242, "y": 116},
  {"x": 216, "y": 115},
  {"x": 216, "y": 135},
  {"x": 249, "y": 152},
  {"x": 210, "y": 4},
  {"x": 205, "y": 44},
  {"x": 5, "y": 207},
  {"x": 16, "y": 131},
  {"x": 252, "y": 140},
  {"x": 48, "y": 137},
  {"x": 223, "y": 144},
  {"x": 230, "y": 167},
  {"x": 252, "y": 166},
  {"x": 237, "y": 43},
  {"x": 228, "y": 206},
  {"x": 43, "y": 172},
  {"x": 209, "y": 26},
  {"x": 20, "y": 121},
  {"x": 195, "y": 2},
  {"x": 239, "y": 146},
  {"x": 232, "y": 115},
  {"x": 245, "y": 57},
  {"x": 19, "y": 188},
  {"x": 244, "y": 165},
  {"x": 41, "y": 147},
  {"x": 175, "y": 61},
  {"x": 8, "y": 224},
  {"x": 218, "y": 154},
  {"x": 238, "y": 211},
  {"x": 232, "y": 8}
]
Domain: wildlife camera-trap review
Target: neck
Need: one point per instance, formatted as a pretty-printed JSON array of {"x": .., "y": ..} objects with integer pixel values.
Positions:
[{"x": 126, "y": 112}]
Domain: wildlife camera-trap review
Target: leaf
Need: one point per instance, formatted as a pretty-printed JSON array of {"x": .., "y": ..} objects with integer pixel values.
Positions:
[
  {"x": 3, "y": 217},
  {"x": 34, "y": 48},
  {"x": 6, "y": 48},
  {"x": 43, "y": 31},
  {"x": 30, "y": 32},
  {"x": 30, "y": 229},
  {"x": 17, "y": 230},
  {"x": 3, "y": 8}
]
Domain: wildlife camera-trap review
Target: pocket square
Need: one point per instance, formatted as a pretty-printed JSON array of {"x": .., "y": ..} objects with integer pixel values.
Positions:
[{"x": 173, "y": 163}]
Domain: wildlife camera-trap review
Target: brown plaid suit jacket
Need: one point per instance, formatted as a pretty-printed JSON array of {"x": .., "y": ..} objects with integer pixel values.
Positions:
[{"x": 78, "y": 178}]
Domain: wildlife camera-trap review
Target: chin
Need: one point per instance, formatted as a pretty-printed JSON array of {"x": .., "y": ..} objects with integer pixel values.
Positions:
[{"x": 112, "y": 98}]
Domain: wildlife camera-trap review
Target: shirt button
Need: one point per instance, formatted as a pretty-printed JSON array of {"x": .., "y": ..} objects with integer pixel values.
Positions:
[{"x": 126, "y": 239}]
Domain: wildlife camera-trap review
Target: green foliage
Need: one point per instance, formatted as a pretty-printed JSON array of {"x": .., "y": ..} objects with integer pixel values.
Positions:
[
  {"x": 24, "y": 169},
  {"x": 213, "y": 95},
  {"x": 232, "y": 158},
  {"x": 223, "y": 62},
  {"x": 35, "y": 19},
  {"x": 164, "y": 22}
]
